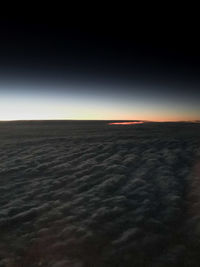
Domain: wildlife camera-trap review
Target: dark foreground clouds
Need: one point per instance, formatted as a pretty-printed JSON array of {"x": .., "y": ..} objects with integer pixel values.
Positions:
[{"x": 90, "y": 194}]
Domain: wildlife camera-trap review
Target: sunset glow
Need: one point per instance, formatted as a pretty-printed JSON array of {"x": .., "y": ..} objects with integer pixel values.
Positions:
[
  {"x": 35, "y": 103},
  {"x": 125, "y": 123}
]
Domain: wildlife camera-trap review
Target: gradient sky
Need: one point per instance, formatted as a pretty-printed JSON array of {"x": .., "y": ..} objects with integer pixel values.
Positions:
[{"x": 53, "y": 70}]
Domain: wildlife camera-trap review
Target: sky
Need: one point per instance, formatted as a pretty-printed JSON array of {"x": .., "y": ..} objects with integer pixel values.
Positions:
[{"x": 53, "y": 69}]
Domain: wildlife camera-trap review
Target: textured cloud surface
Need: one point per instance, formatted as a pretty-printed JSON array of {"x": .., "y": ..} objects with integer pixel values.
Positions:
[{"x": 75, "y": 194}]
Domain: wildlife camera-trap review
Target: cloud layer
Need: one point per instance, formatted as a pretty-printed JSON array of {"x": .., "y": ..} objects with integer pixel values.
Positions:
[{"x": 88, "y": 196}]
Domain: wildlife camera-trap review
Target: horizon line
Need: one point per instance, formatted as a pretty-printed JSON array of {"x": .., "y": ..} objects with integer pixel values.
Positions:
[{"x": 32, "y": 120}]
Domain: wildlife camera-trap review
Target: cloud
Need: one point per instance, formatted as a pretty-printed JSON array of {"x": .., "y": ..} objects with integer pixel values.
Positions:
[{"x": 114, "y": 198}]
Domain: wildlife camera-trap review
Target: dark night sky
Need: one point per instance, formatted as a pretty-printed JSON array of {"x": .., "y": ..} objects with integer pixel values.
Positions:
[{"x": 51, "y": 68}]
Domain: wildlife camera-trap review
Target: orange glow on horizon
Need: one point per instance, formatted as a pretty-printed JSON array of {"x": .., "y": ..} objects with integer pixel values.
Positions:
[{"x": 125, "y": 123}]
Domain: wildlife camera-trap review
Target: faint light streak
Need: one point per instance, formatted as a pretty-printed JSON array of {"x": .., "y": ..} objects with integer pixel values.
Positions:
[{"x": 125, "y": 123}]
